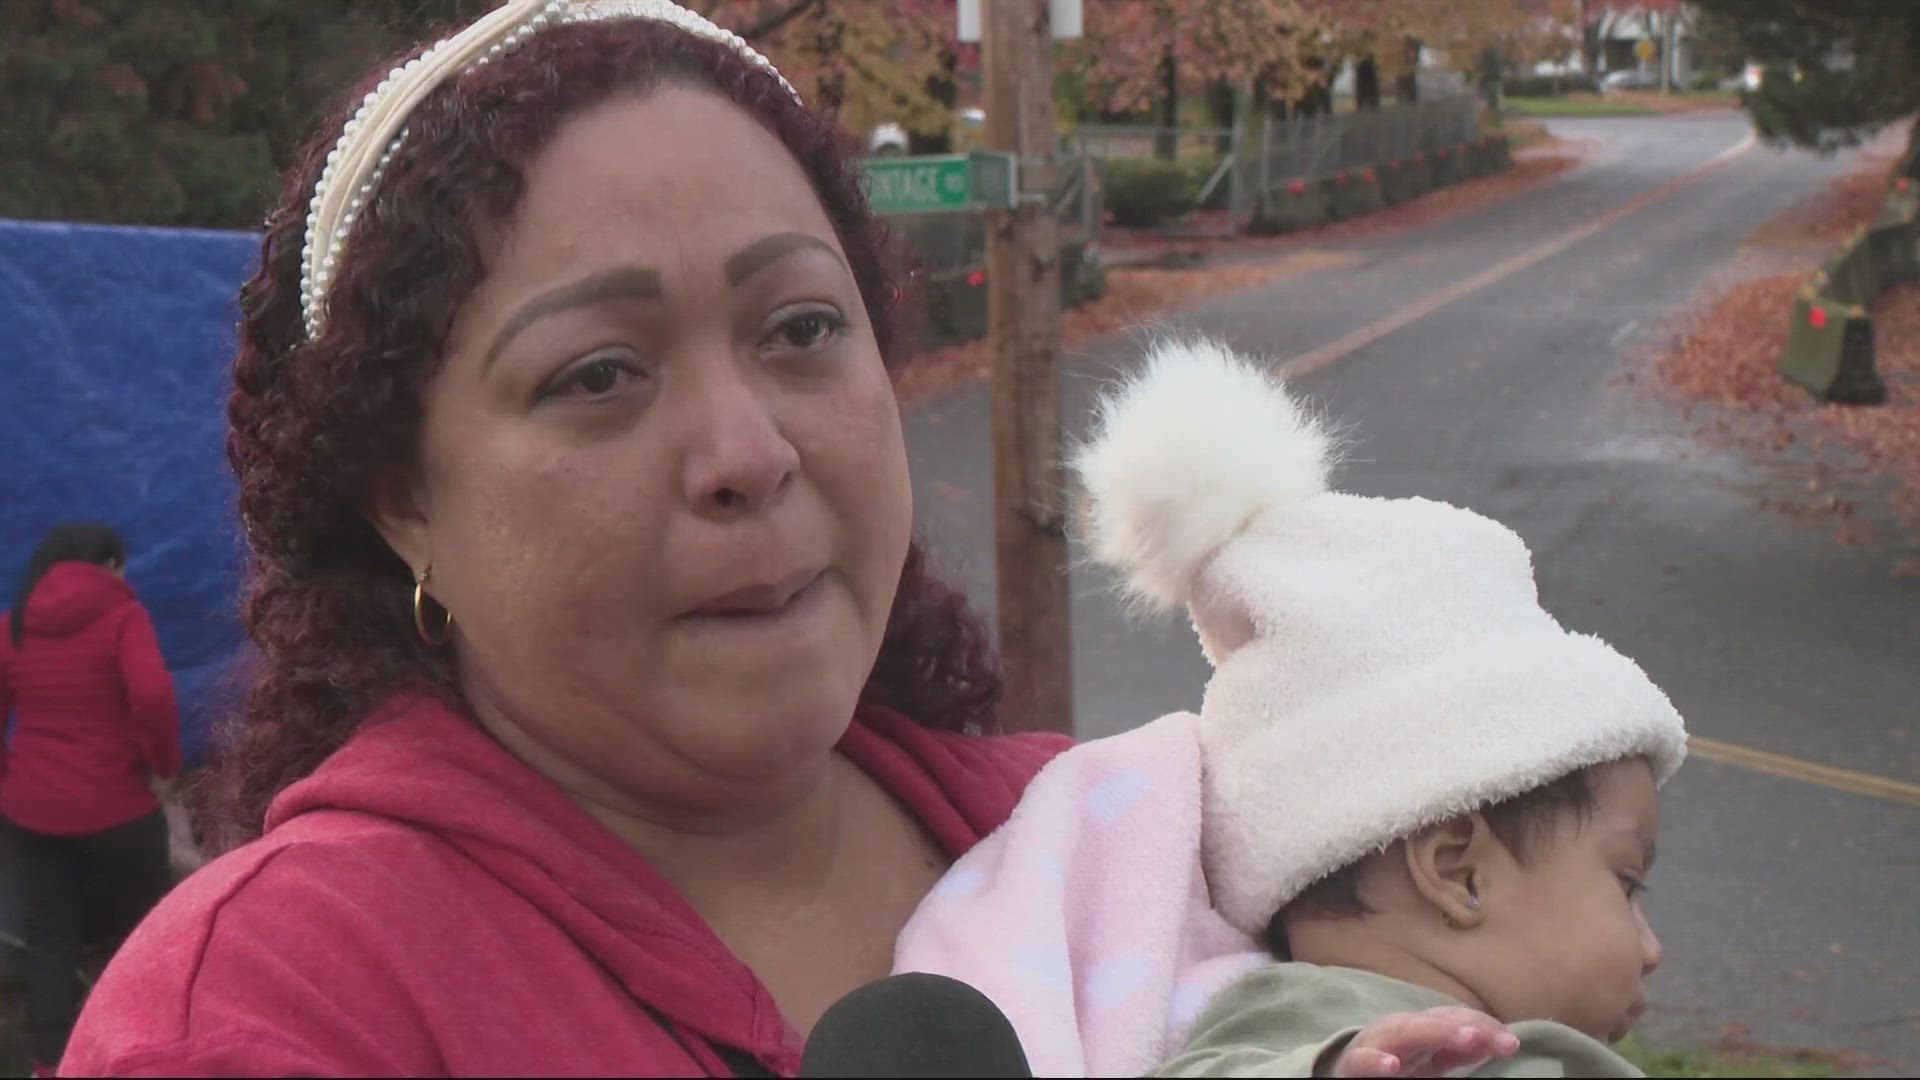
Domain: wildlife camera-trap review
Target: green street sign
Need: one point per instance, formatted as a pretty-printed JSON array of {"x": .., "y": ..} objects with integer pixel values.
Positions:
[
  {"x": 990, "y": 178},
  {"x": 917, "y": 185},
  {"x": 939, "y": 183}
]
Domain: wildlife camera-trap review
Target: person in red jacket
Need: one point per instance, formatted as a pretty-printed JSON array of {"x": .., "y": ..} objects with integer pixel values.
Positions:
[
  {"x": 606, "y": 719},
  {"x": 93, "y": 725}
]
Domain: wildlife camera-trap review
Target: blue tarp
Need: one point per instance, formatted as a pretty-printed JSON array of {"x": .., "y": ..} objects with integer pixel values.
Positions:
[{"x": 115, "y": 349}]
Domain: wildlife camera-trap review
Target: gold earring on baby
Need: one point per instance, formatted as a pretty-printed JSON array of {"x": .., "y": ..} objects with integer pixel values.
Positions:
[{"x": 420, "y": 599}]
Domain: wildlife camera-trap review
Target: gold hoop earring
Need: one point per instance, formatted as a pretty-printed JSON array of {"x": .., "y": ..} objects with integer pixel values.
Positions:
[{"x": 420, "y": 599}]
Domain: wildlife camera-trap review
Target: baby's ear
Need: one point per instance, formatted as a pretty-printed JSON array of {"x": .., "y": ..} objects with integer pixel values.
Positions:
[{"x": 1449, "y": 863}]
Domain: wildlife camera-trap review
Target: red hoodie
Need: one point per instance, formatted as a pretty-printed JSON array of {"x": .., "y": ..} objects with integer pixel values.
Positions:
[
  {"x": 426, "y": 905},
  {"x": 94, "y": 714}
]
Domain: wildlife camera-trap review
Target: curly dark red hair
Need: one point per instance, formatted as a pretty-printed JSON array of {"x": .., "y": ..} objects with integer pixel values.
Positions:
[{"x": 314, "y": 423}]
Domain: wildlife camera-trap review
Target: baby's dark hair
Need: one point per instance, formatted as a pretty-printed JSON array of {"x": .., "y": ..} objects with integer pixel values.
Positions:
[{"x": 1520, "y": 823}]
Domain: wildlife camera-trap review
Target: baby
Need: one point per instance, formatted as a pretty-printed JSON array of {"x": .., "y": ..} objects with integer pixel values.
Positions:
[
  {"x": 1432, "y": 803},
  {"x": 1436, "y": 805},
  {"x": 1399, "y": 964}
]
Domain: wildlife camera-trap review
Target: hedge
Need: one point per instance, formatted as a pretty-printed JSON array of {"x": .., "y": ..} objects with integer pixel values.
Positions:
[
  {"x": 955, "y": 301},
  {"x": 1142, "y": 192},
  {"x": 1548, "y": 85}
]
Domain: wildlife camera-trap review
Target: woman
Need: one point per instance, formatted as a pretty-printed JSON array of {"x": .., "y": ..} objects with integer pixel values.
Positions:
[
  {"x": 93, "y": 727},
  {"x": 608, "y": 721}
]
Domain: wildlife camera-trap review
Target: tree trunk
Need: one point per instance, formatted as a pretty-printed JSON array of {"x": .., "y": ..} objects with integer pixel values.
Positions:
[
  {"x": 1316, "y": 101},
  {"x": 943, "y": 87},
  {"x": 1666, "y": 54},
  {"x": 776, "y": 20},
  {"x": 1492, "y": 67},
  {"x": 938, "y": 142},
  {"x": 1366, "y": 83},
  {"x": 1166, "y": 145},
  {"x": 1590, "y": 44},
  {"x": 831, "y": 86},
  {"x": 1406, "y": 87},
  {"x": 1261, "y": 101},
  {"x": 1220, "y": 107}
]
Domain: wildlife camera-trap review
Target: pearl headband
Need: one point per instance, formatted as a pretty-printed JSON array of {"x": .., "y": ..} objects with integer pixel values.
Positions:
[{"x": 376, "y": 131}]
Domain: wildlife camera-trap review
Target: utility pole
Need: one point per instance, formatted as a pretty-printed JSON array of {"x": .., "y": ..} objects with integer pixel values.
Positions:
[
  {"x": 1663, "y": 31},
  {"x": 1023, "y": 331},
  {"x": 1669, "y": 73}
]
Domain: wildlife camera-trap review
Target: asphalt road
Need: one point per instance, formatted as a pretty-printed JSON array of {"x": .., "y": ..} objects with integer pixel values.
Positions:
[{"x": 1786, "y": 907}]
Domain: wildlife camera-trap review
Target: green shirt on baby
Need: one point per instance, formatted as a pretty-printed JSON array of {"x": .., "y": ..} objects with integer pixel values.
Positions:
[{"x": 1295, "y": 1019}]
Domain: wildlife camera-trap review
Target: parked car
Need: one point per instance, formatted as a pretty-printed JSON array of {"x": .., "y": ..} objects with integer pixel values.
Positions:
[
  {"x": 887, "y": 140},
  {"x": 1630, "y": 79},
  {"x": 890, "y": 139}
]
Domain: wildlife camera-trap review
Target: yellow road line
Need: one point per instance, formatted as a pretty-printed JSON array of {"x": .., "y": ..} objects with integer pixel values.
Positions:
[
  {"x": 1359, "y": 339},
  {"x": 1829, "y": 776},
  {"x": 1858, "y": 783}
]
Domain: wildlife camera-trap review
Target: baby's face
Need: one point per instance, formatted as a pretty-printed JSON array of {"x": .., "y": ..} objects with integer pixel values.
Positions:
[{"x": 1564, "y": 936}]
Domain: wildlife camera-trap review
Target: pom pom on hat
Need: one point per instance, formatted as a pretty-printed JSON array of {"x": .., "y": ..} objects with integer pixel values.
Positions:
[
  {"x": 1184, "y": 456},
  {"x": 1380, "y": 665}
]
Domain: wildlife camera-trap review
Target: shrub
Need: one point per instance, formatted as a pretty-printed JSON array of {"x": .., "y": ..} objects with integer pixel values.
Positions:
[
  {"x": 1293, "y": 205},
  {"x": 1407, "y": 178},
  {"x": 1549, "y": 85},
  {"x": 940, "y": 241},
  {"x": 952, "y": 302},
  {"x": 1354, "y": 193},
  {"x": 1141, "y": 192},
  {"x": 1200, "y": 170}
]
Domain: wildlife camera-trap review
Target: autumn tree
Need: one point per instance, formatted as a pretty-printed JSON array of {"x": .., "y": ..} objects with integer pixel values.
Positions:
[
  {"x": 1485, "y": 39},
  {"x": 1595, "y": 20},
  {"x": 1142, "y": 56},
  {"x": 187, "y": 112},
  {"x": 1834, "y": 69},
  {"x": 1367, "y": 32},
  {"x": 867, "y": 63},
  {"x": 179, "y": 112},
  {"x": 1384, "y": 41}
]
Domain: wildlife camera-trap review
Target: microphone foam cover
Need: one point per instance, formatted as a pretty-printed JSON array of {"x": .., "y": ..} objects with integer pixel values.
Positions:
[{"x": 914, "y": 1024}]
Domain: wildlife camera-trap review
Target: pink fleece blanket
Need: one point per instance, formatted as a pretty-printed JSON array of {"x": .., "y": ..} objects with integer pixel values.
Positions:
[{"x": 1085, "y": 917}]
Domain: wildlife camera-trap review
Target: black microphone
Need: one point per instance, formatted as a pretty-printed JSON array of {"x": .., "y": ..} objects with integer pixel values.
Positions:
[{"x": 914, "y": 1024}]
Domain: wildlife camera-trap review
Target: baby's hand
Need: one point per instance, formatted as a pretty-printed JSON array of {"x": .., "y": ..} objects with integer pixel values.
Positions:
[{"x": 1430, "y": 1043}]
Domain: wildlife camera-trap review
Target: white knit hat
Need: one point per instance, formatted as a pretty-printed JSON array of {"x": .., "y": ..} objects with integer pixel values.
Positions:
[{"x": 1380, "y": 665}]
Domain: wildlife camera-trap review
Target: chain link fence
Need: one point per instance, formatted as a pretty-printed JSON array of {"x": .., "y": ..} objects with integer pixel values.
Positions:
[
  {"x": 1239, "y": 169},
  {"x": 1213, "y": 158},
  {"x": 945, "y": 255},
  {"x": 937, "y": 243}
]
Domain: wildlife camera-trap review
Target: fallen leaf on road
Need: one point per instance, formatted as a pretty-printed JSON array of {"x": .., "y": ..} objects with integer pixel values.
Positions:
[
  {"x": 1137, "y": 294},
  {"x": 1726, "y": 352},
  {"x": 1831, "y": 215}
]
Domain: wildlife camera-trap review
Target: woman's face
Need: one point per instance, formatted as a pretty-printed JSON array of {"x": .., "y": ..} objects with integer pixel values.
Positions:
[{"x": 663, "y": 487}]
